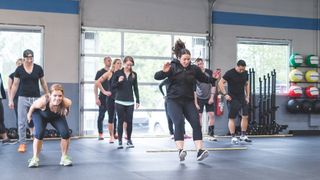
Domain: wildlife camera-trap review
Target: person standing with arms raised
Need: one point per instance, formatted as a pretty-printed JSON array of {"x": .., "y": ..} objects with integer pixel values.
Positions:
[{"x": 180, "y": 97}]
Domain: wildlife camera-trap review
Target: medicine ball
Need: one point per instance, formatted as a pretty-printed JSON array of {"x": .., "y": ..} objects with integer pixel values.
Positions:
[
  {"x": 293, "y": 106},
  {"x": 316, "y": 106},
  {"x": 295, "y": 75},
  {"x": 312, "y": 60},
  {"x": 295, "y": 91},
  {"x": 295, "y": 60},
  {"x": 312, "y": 92},
  {"x": 312, "y": 76},
  {"x": 306, "y": 106}
]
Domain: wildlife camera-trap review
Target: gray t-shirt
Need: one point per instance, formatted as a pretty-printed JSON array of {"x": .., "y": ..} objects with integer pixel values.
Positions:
[{"x": 203, "y": 90}]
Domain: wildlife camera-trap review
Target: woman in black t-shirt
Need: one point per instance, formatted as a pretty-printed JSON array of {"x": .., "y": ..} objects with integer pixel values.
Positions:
[{"x": 26, "y": 78}]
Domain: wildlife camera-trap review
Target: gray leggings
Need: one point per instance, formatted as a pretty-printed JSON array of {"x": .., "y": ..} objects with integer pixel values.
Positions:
[{"x": 24, "y": 103}]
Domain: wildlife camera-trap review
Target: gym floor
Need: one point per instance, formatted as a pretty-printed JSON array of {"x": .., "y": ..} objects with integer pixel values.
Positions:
[{"x": 282, "y": 158}]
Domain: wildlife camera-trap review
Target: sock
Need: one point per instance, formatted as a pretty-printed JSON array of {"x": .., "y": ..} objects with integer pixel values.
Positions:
[
  {"x": 233, "y": 134},
  {"x": 243, "y": 133}
]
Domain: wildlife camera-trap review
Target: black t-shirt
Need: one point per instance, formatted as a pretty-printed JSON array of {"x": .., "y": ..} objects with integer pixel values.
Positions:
[
  {"x": 29, "y": 83},
  {"x": 105, "y": 84},
  {"x": 11, "y": 76},
  {"x": 236, "y": 83}
]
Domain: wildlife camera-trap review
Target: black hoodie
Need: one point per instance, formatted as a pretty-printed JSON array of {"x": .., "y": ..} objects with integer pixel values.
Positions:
[{"x": 182, "y": 80}]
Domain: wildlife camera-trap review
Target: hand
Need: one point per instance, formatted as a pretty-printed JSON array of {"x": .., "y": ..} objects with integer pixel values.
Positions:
[
  {"x": 11, "y": 104},
  {"x": 29, "y": 117},
  {"x": 98, "y": 103},
  {"x": 210, "y": 101},
  {"x": 121, "y": 78},
  {"x": 137, "y": 105},
  {"x": 166, "y": 67},
  {"x": 107, "y": 93},
  {"x": 197, "y": 106},
  {"x": 228, "y": 98},
  {"x": 247, "y": 99}
]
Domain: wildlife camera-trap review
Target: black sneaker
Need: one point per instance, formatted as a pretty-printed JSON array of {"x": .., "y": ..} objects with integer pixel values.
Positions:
[
  {"x": 120, "y": 146},
  {"x": 202, "y": 154},
  {"x": 129, "y": 144},
  {"x": 182, "y": 154},
  {"x": 8, "y": 141},
  {"x": 100, "y": 138}
]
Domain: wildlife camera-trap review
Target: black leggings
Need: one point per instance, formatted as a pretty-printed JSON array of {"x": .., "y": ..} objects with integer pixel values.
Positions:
[
  {"x": 2, "y": 126},
  {"x": 40, "y": 124},
  {"x": 170, "y": 123},
  {"x": 102, "y": 112},
  {"x": 112, "y": 118},
  {"x": 180, "y": 108},
  {"x": 125, "y": 113}
]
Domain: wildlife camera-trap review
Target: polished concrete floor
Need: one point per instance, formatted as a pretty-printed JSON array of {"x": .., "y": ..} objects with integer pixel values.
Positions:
[{"x": 285, "y": 158}]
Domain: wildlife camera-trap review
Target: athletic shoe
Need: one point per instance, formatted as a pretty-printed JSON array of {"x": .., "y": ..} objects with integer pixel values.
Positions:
[
  {"x": 129, "y": 144},
  {"x": 33, "y": 162},
  {"x": 172, "y": 136},
  {"x": 187, "y": 137},
  {"x": 202, "y": 154},
  {"x": 100, "y": 137},
  {"x": 212, "y": 138},
  {"x": 234, "y": 140},
  {"x": 245, "y": 139},
  {"x": 120, "y": 146},
  {"x": 182, "y": 154},
  {"x": 8, "y": 141},
  {"x": 22, "y": 148},
  {"x": 66, "y": 161}
]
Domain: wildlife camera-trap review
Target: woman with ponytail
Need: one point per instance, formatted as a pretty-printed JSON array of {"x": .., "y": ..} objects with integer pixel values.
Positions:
[
  {"x": 51, "y": 109},
  {"x": 180, "y": 97}
]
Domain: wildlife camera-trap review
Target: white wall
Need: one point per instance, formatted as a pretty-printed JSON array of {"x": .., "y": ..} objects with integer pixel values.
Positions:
[
  {"x": 61, "y": 41},
  {"x": 189, "y": 16}
]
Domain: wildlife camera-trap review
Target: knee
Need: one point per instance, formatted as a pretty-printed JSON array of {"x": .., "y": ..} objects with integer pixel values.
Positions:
[
  {"x": 65, "y": 134},
  {"x": 39, "y": 134}
]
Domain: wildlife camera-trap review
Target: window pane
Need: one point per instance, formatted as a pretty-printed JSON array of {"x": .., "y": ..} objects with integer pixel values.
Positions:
[
  {"x": 150, "y": 97},
  {"x": 146, "y": 68},
  {"x": 12, "y": 45},
  {"x": 91, "y": 66},
  {"x": 138, "y": 44},
  {"x": 88, "y": 95},
  {"x": 264, "y": 58},
  {"x": 102, "y": 42},
  {"x": 196, "y": 45}
]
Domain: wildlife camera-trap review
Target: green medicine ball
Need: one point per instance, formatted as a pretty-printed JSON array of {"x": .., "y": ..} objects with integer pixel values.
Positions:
[
  {"x": 295, "y": 75},
  {"x": 296, "y": 60},
  {"x": 312, "y": 60}
]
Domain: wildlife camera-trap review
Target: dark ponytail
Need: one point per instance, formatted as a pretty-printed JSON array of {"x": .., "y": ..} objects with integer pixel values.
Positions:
[{"x": 179, "y": 49}]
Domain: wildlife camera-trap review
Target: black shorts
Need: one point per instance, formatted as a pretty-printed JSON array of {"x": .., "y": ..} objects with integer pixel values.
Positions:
[
  {"x": 237, "y": 107},
  {"x": 204, "y": 102}
]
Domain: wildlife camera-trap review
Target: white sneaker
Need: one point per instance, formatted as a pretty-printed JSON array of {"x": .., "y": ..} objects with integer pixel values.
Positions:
[
  {"x": 211, "y": 138},
  {"x": 245, "y": 139},
  {"x": 66, "y": 161},
  {"x": 33, "y": 162},
  {"x": 234, "y": 140},
  {"x": 182, "y": 154}
]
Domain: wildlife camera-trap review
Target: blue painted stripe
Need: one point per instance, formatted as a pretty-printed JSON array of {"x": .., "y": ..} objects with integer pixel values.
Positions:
[
  {"x": 244, "y": 19},
  {"x": 53, "y": 6}
]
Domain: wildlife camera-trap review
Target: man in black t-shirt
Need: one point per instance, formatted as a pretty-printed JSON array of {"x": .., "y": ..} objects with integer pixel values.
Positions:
[
  {"x": 238, "y": 98},
  {"x": 101, "y": 99},
  {"x": 26, "y": 79}
]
